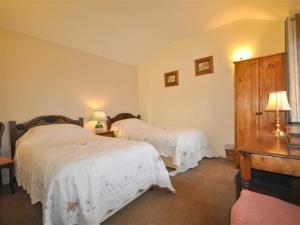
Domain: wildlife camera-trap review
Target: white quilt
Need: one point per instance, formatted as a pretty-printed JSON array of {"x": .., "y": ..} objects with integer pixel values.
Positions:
[
  {"x": 80, "y": 177},
  {"x": 185, "y": 146}
]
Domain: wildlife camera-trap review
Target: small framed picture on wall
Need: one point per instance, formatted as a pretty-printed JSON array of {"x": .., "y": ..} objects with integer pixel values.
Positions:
[
  {"x": 204, "y": 66},
  {"x": 171, "y": 78}
]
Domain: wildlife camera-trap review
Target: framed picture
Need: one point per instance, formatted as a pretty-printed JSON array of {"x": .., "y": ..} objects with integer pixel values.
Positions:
[
  {"x": 171, "y": 78},
  {"x": 204, "y": 66}
]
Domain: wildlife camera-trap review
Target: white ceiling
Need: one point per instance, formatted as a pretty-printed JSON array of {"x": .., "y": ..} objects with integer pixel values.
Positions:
[{"x": 130, "y": 31}]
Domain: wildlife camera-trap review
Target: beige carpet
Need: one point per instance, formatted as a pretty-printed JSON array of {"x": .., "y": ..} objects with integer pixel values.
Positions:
[{"x": 204, "y": 195}]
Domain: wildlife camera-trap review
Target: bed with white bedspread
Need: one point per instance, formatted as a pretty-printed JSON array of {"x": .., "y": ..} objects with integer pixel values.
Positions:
[
  {"x": 81, "y": 178},
  {"x": 185, "y": 146}
]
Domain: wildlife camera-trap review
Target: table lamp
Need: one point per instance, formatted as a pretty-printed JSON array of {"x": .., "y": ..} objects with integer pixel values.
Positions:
[
  {"x": 278, "y": 102},
  {"x": 100, "y": 117}
]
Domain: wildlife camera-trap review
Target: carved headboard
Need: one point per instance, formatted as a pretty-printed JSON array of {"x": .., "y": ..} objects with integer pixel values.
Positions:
[
  {"x": 17, "y": 130},
  {"x": 121, "y": 116}
]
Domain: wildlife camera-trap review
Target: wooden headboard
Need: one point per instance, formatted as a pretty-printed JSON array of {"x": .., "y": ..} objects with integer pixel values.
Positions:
[
  {"x": 17, "y": 130},
  {"x": 121, "y": 116}
]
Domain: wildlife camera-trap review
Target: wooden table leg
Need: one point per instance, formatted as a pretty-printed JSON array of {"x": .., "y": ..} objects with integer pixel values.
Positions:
[
  {"x": 245, "y": 168},
  {"x": 238, "y": 189},
  {"x": 11, "y": 178}
]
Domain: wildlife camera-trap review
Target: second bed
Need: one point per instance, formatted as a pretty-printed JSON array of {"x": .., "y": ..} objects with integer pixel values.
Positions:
[{"x": 181, "y": 148}]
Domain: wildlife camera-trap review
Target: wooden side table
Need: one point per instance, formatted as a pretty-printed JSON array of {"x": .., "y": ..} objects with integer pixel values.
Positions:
[
  {"x": 107, "y": 134},
  {"x": 268, "y": 153},
  {"x": 9, "y": 164}
]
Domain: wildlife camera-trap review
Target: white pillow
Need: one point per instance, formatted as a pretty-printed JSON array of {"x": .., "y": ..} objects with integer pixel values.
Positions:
[{"x": 123, "y": 127}]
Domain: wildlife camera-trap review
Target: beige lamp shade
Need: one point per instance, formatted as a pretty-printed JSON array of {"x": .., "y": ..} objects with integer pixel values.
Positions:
[
  {"x": 278, "y": 102},
  {"x": 99, "y": 115}
]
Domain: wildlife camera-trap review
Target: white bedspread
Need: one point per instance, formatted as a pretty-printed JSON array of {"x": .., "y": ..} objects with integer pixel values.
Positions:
[
  {"x": 80, "y": 177},
  {"x": 185, "y": 146}
]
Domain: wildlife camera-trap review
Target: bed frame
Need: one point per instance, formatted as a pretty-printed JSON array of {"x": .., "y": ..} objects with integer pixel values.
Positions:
[
  {"x": 121, "y": 116},
  {"x": 17, "y": 130}
]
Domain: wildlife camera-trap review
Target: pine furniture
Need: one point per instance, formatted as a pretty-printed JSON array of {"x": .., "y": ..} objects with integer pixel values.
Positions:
[
  {"x": 254, "y": 80},
  {"x": 107, "y": 134},
  {"x": 268, "y": 153}
]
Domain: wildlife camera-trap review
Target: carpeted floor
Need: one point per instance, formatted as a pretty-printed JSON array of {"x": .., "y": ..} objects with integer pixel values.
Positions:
[{"x": 204, "y": 195}]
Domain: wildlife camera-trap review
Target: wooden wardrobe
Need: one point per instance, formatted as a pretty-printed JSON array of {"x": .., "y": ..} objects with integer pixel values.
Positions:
[{"x": 254, "y": 80}]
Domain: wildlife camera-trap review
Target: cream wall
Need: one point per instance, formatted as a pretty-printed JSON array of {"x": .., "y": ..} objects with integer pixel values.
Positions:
[
  {"x": 1, "y": 76},
  {"x": 206, "y": 102},
  {"x": 39, "y": 78}
]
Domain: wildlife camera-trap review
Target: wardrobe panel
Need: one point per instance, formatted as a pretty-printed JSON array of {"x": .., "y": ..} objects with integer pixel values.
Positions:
[
  {"x": 247, "y": 104},
  {"x": 272, "y": 78}
]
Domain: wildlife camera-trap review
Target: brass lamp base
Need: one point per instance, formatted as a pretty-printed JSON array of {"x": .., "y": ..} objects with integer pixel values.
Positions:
[
  {"x": 99, "y": 127},
  {"x": 277, "y": 131}
]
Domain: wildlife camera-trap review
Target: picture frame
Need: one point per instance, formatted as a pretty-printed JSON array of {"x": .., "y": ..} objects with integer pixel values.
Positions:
[
  {"x": 204, "y": 65},
  {"x": 171, "y": 79}
]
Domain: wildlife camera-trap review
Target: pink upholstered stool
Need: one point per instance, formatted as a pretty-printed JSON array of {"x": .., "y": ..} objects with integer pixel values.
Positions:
[{"x": 258, "y": 209}]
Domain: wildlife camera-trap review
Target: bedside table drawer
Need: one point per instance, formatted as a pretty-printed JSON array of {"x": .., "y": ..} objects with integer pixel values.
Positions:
[{"x": 107, "y": 134}]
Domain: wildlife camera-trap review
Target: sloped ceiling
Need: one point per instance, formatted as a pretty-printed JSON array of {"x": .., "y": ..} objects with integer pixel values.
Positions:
[{"x": 130, "y": 31}]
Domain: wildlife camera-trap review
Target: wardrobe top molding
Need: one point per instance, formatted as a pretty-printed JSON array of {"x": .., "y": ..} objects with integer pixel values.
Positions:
[{"x": 281, "y": 53}]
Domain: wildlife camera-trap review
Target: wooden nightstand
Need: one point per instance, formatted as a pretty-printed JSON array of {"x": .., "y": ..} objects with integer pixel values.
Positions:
[
  {"x": 9, "y": 164},
  {"x": 107, "y": 134}
]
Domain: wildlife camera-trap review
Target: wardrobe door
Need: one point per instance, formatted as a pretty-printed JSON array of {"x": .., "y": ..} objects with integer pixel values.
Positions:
[
  {"x": 272, "y": 78},
  {"x": 246, "y": 100}
]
